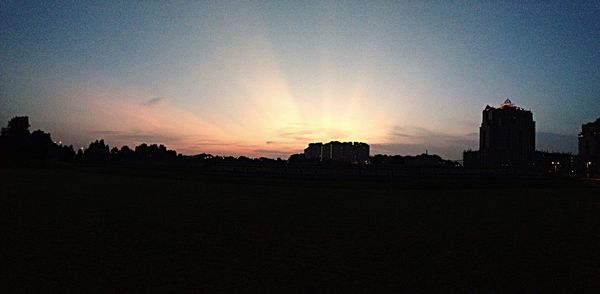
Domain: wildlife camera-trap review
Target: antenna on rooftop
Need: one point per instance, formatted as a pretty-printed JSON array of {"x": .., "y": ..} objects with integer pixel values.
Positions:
[{"x": 507, "y": 104}]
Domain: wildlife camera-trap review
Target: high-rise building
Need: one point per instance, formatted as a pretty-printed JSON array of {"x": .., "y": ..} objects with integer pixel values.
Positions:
[
  {"x": 507, "y": 136},
  {"x": 589, "y": 146}
]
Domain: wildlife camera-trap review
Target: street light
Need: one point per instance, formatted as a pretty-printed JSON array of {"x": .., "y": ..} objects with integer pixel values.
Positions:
[{"x": 555, "y": 164}]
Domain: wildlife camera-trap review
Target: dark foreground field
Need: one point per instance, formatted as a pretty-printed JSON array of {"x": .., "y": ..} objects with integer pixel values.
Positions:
[{"x": 79, "y": 231}]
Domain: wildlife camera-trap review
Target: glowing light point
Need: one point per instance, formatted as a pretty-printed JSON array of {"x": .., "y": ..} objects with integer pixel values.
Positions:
[{"x": 507, "y": 104}]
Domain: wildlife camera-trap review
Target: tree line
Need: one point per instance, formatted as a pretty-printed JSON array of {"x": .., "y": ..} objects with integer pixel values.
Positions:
[{"x": 19, "y": 145}]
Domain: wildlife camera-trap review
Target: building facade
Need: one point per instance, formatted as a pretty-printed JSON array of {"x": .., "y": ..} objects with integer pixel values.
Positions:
[
  {"x": 506, "y": 138},
  {"x": 314, "y": 151},
  {"x": 354, "y": 152},
  {"x": 589, "y": 146}
]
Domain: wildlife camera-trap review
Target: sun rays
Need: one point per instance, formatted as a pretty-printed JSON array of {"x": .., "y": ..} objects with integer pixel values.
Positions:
[{"x": 254, "y": 102}]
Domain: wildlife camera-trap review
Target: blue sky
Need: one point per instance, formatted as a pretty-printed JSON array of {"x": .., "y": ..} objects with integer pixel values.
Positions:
[{"x": 266, "y": 78}]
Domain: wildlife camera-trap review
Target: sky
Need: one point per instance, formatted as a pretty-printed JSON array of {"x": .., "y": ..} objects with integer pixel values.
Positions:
[{"x": 266, "y": 78}]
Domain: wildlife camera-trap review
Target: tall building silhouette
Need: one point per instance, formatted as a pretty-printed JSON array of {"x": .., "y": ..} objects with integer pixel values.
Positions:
[
  {"x": 506, "y": 138},
  {"x": 589, "y": 145}
]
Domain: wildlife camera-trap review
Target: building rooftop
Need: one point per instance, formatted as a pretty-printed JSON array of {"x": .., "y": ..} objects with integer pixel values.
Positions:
[{"x": 507, "y": 104}]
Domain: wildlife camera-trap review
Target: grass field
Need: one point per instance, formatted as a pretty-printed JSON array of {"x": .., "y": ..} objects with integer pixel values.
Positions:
[{"x": 69, "y": 230}]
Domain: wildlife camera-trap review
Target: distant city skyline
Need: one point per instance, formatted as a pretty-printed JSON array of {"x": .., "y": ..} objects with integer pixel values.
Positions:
[{"x": 267, "y": 78}]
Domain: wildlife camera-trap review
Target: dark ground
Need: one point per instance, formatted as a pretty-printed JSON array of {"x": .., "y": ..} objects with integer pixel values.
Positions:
[{"x": 71, "y": 230}]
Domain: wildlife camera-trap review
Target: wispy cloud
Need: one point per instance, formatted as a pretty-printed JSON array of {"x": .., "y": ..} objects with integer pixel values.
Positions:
[
  {"x": 152, "y": 101},
  {"x": 301, "y": 133}
]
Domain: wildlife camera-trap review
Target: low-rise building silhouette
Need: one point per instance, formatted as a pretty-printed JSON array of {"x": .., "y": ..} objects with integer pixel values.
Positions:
[
  {"x": 355, "y": 152},
  {"x": 506, "y": 138},
  {"x": 589, "y": 146},
  {"x": 555, "y": 163},
  {"x": 313, "y": 151}
]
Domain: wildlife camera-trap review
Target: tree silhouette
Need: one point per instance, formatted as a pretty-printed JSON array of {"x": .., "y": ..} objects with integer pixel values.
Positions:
[
  {"x": 41, "y": 146},
  {"x": 66, "y": 153},
  {"x": 17, "y": 144},
  {"x": 126, "y": 153},
  {"x": 14, "y": 140},
  {"x": 79, "y": 157},
  {"x": 142, "y": 151},
  {"x": 17, "y": 128},
  {"x": 97, "y": 152}
]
